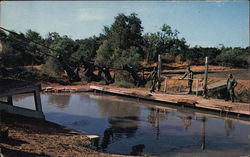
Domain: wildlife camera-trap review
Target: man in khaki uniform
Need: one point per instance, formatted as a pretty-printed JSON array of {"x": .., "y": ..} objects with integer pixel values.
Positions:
[
  {"x": 189, "y": 75},
  {"x": 231, "y": 83}
]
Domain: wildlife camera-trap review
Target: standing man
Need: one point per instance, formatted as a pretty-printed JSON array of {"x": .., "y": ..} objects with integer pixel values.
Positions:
[
  {"x": 153, "y": 78},
  {"x": 189, "y": 75},
  {"x": 231, "y": 83}
]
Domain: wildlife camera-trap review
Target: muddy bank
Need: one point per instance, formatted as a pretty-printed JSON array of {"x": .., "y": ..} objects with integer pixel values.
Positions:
[
  {"x": 56, "y": 88},
  {"x": 38, "y": 138}
]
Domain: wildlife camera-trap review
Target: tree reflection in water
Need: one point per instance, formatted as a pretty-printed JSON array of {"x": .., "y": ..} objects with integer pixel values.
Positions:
[
  {"x": 123, "y": 120},
  {"x": 21, "y": 96},
  {"x": 137, "y": 149},
  {"x": 60, "y": 101},
  {"x": 155, "y": 117},
  {"x": 107, "y": 136},
  {"x": 187, "y": 121},
  {"x": 229, "y": 127}
]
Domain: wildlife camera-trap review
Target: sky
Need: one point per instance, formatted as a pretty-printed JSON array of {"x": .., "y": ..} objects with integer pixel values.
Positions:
[{"x": 202, "y": 23}]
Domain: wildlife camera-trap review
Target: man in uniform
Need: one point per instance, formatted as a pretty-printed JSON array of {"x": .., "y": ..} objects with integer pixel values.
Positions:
[
  {"x": 189, "y": 75},
  {"x": 231, "y": 83},
  {"x": 153, "y": 78}
]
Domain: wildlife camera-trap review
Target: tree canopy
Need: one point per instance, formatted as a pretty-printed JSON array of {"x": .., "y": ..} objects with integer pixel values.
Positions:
[{"x": 121, "y": 44}]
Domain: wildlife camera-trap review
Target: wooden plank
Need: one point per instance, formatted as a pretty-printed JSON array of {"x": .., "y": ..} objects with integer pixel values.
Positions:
[
  {"x": 20, "y": 90},
  {"x": 21, "y": 111}
]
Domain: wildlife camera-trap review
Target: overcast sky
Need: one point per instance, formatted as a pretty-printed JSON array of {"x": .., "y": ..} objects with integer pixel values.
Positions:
[{"x": 200, "y": 23}]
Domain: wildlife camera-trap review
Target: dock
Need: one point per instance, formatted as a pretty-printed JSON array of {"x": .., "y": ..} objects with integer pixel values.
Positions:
[
  {"x": 10, "y": 88},
  {"x": 193, "y": 101}
]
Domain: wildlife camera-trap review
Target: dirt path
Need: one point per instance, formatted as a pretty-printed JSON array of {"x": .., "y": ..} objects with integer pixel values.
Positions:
[{"x": 36, "y": 138}]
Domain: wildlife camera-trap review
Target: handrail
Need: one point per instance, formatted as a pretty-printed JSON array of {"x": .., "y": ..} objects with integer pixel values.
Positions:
[
  {"x": 196, "y": 80},
  {"x": 170, "y": 78}
]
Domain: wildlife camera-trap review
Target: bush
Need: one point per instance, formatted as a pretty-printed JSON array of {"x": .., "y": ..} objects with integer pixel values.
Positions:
[
  {"x": 124, "y": 79},
  {"x": 124, "y": 84},
  {"x": 232, "y": 57},
  {"x": 123, "y": 76},
  {"x": 52, "y": 67},
  {"x": 168, "y": 58},
  {"x": 26, "y": 74}
]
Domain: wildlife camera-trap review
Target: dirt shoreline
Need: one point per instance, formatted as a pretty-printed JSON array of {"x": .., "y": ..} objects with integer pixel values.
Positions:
[{"x": 29, "y": 137}]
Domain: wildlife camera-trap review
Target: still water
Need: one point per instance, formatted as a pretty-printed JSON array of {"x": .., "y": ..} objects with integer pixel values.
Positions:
[{"x": 128, "y": 126}]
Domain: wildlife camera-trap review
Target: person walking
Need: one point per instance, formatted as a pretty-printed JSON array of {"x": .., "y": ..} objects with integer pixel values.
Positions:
[
  {"x": 231, "y": 84},
  {"x": 189, "y": 75}
]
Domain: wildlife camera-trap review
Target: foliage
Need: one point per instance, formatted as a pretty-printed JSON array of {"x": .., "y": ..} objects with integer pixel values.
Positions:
[
  {"x": 36, "y": 51},
  {"x": 163, "y": 42},
  {"x": 52, "y": 67},
  {"x": 105, "y": 55},
  {"x": 232, "y": 57},
  {"x": 122, "y": 43},
  {"x": 125, "y": 84},
  {"x": 20, "y": 50},
  {"x": 86, "y": 50}
]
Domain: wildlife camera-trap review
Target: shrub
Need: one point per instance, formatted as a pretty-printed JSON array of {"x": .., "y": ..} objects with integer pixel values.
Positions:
[
  {"x": 168, "y": 58},
  {"x": 232, "y": 57},
  {"x": 124, "y": 84},
  {"x": 52, "y": 67}
]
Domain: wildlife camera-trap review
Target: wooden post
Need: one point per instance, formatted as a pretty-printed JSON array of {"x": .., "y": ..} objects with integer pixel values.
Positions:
[
  {"x": 165, "y": 85},
  {"x": 38, "y": 101},
  {"x": 159, "y": 66},
  {"x": 197, "y": 86},
  {"x": 205, "y": 78},
  {"x": 9, "y": 100},
  {"x": 159, "y": 72}
]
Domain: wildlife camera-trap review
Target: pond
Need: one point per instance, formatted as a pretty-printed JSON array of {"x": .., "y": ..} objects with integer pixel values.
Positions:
[{"x": 129, "y": 126}]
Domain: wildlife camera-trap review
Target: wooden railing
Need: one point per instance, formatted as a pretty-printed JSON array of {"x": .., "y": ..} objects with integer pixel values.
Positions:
[{"x": 168, "y": 78}]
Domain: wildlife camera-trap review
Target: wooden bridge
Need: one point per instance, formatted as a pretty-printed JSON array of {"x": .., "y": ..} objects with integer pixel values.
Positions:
[{"x": 9, "y": 88}]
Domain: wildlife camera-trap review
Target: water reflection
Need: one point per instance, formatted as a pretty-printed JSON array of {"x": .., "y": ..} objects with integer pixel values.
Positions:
[
  {"x": 107, "y": 136},
  {"x": 140, "y": 128},
  {"x": 187, "y": 121},
  {"x": 24, "y": 101},
  {"x": 137, "y": 149},
  {"x": 203, "y": 133},
  {"x": 229, "y": 127},
  {"x": 61, "y": 101},
  {"x": 155, "y": 117},
  {"x": 20, "y": 97},
  {"x": 123, "y": 120}
]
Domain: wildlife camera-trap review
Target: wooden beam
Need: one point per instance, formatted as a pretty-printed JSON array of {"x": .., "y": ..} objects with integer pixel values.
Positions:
[
  {"x": 21, "y": 111},
  {"x": 38, "y": 101},
  {"x": 197, "y": 87},
  {"x": 20, "y": 90},
  {"x": 10, "y": 100}
]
